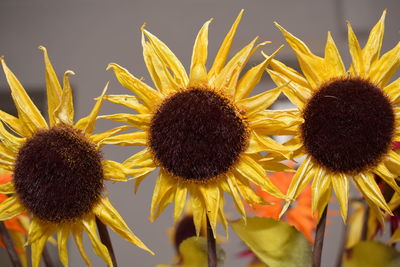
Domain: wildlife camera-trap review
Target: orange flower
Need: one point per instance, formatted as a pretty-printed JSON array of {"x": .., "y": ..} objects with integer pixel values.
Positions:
[
  {"x": 16, "y": 229},
  {"x": 299, "y": 214}
]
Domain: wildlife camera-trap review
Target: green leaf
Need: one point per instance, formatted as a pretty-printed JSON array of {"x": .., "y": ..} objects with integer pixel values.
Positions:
[
  {"x": 372, "y": 254},
  {"x": 275, "y": 243}
]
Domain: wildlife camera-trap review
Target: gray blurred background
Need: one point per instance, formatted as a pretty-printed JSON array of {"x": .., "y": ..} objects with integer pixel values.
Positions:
[{"x": 86, "y": 35}]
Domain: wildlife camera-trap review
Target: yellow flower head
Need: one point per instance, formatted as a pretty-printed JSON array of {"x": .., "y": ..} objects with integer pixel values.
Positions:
[
  {"x": 350, "y": 119},
  {"x": 201, "y": 129},
  {"x": 58, "y": 170}
]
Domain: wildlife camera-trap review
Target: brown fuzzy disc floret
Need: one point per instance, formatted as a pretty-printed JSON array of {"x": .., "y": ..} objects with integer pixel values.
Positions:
[
  {"x": 197, "y": 134},
  {"x": 348, "y": 125},
  {"x": 58, "y": 174}
]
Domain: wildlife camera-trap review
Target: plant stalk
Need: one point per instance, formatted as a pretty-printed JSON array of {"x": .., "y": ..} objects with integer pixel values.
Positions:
[
  {"x": 211, "y": 246},
  {"x": 319, "y": 239},
  {"x": 106, "y": 240},
  {"x": 9, "y": 245},
  {"x": 46, "y": 257}
]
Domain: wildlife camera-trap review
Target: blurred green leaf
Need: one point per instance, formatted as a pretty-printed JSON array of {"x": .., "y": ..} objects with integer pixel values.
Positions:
[
  {"x": 276, "y": 243},
  {"x": 372, "y": 254}
]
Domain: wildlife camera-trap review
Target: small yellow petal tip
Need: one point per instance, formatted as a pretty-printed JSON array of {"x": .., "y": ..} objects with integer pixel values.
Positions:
[
  {"x": 143, "y": 26},
  {"x": 69, "y": 72},
  {"x": 1, "y": 58},
  {"x": 41, "y": 47},
  {"x": 110, "y": 66}
]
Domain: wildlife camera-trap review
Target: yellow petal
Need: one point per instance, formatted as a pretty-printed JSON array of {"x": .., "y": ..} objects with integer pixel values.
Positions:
[
  {"x": 297, "y": 94},
  {"x": 7, "y": 188},
  {"x": 114, "y": 171},
  {"x": 311, "y": 65},
  {"x": 27, "y": 111},
  {"x": 211, "y": 198},
  {"x": 65, "y": 111},
  {"x": 169, "y": 58},
  {"x": 98, "y": 138},
  {"x": 373, "y": 46},
  {"x": 162, "y": 188},
  {"x": 393, "y": 92},
  {"x": 10, "y": 208},
  {"x": 231, "y": 181},
  {"x": 221, "y": 214},
  {"x": 53, "y": 87},
  {"x": 87, "y": 124},
  {"x": 259, "y": 102},
  {"x": 252, "y": 171},
  {"x": 262, "y": 143},
  {"x": 290, "y": 73},
  {"x": 62, "y": 240},
  {"x": 387, "y": 176},
  {"x": 141, "y": 121},
  {"x": 341, "y": 187},
  {"x": 382, "y": 70},
  {"x": 273, "y": 166},
  {"x": 148, "y": 95},
  {"x": 357, "y": 65},
  {"x": 128, "y": 101},
  {"x": 356, "y": 223},
  {"x": 333, "y": 59},
  {"x": 10, "y": 141},
  {"x": 370, "y": 190},
  {"x": 252, "y": 77},
  {"x": 140, "y": 174},
  {"x": 224, "y": 49},
  {"x": 321, "y": 191},
  {"x": 158, "y": 71},
  {"x": 77, "y": 235},
  {"x": 277, "y": 122},
  {"x": 228, "y": 77},
  {"x": 301, "y": 178},
  {"x": 392, "y": 161},
  {"x": 245, "y": 189},
  {"x": 89, "y": 224},
  {"x": 130, "y": 139},
  {"x": 180, "y": 200},
  {"x": 14, "y": 123},
  {"x": 37, "y": 229},
  {"x": 198, "y": 71},
  {"x": 37, "y": 249},
  {"x": 198, "y": 210},
  {"x": 110, "y": 216},
  {"x": 143, "y": 158}
]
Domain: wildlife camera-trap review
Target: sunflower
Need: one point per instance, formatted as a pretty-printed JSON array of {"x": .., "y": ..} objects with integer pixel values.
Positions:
[
  {"x": 58, "y": 170},
  {"x": 202, "y": 130},
  {"x": 350, "y": 119}
]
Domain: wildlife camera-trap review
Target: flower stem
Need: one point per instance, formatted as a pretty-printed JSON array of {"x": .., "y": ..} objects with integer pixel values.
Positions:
[
  {"x": 364, "y": 233},
  {"x": 319, "y": 239},
  {"x": 211, "y": 246},
  {"x": 106, "y": 240},
  {"x": 46, "y": 257},
  {"x": 9, "y": 245}
]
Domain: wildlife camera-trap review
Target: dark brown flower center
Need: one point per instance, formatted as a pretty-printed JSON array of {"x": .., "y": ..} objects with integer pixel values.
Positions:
[
  {"x": 197, "y": 134},
  {"x": 348, "y": 125},
  {"x": 58, "y": 174}
]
